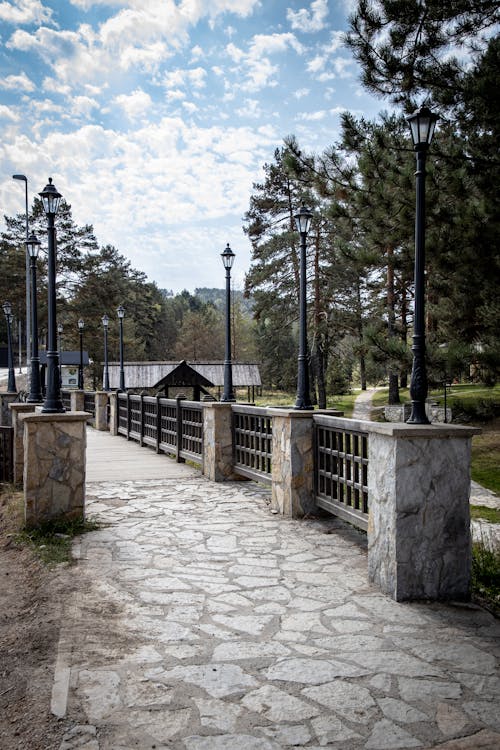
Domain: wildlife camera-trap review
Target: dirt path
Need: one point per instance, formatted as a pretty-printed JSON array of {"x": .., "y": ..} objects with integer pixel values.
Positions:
[{"x": 363, "y": 404}]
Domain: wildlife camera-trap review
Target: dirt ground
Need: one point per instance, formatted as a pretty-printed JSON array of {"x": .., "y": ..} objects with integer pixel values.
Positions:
[{"x": 30, "y": 609}]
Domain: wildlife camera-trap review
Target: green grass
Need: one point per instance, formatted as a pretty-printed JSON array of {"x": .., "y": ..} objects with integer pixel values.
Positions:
[
  {"x": 52, "y": 541},
  {"x": 486, "y": 576},
  {"x": 482, "y": 512},
  {"x": 486, "y": 459},
  {"x": 344, "y": 402}
]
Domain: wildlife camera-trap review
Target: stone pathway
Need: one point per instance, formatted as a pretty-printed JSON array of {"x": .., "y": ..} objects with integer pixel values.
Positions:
[
  {"x": 200, "y": 621},
  {"x": 363, "y": 404}
]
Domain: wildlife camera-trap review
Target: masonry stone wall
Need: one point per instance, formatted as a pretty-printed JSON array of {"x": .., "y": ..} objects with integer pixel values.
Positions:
[
  {"x": 292, "y": 463},
  {"x": 6, "y": 399},
  {"x": 54, "y": 466},
  {"x": 217, "y": 442},
  {"x": 17, "y": 409},
  {"x": 101, "y": 411}
]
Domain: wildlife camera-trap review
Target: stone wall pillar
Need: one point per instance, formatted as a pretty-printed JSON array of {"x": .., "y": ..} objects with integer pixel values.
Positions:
[
  {"x": 101, "y": 411},
  {"x": 292, "y": 462},
  {"x": 218, "y": 442},
  {"x": 54, "y": 466},
  {"x": 113, "y": 412},
  {"x": 419, "y": 544},
  {"x": 17, "y": 409},
  {"x": 77, "y": 400},
  {"x": 6, "y": 399}
]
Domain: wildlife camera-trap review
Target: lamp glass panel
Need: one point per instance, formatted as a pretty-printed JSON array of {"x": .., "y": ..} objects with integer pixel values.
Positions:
[{"x": 81, "y": 324}]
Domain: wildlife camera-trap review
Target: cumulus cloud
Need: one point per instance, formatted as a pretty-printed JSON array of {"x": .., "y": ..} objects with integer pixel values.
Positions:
[
  {"x": 309, "y": 21},
  {"x": 22, "y": 12},
  {"x": 7, "y": 113},
  {"x": 20, "y": 82},
  {"x": 135, "y": 104},
  {"x": 255, "y": 64},
  {"x": 326, "y": 64}
]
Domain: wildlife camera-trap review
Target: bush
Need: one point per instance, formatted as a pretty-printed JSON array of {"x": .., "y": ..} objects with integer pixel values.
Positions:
[{"x": 480, "y": 410}]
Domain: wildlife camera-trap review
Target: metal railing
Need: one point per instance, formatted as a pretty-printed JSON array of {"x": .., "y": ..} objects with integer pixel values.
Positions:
[
  {"x": 341, "y": 470},
  {"x": 252, "y": 442},
  {"x": 6, "y": 454},
  {"x": 89, "y": 405},
  {"x": 173, "y": 426},
  {"x": 66, "y": 400}
]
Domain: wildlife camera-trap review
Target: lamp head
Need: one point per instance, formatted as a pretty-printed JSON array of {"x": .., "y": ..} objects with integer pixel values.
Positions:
[
  {"x": 33, "y": 245},
  {"x": 228, "y": 257},
  {"x": 81, "y": 324},
  {"x": 105, "y": 320},
  {"x": 60, "y": 328},
  {"x": 422, "y": 124},
  {"x": 303, "y": 219},
  {"x": 7, "y": 308},
  {"x": 51, "y": 198},
  {"x": 121, "y": 312}
]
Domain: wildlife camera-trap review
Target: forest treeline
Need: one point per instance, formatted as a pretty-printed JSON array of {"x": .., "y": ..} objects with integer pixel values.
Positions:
[{"x": 361, "y": 245}]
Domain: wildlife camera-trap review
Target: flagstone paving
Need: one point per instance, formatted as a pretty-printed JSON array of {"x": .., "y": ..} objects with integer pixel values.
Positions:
[{"x": 201, "y": 621}]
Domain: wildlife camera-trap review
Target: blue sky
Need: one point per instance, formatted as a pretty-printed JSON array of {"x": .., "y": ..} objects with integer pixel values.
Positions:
[{"x": 154, "y": 117}]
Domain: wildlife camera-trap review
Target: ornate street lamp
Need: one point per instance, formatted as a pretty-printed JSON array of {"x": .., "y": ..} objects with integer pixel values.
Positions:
[
  {"x": 52, "y": 404},
  {"x": 121, "y": 315},
  {"x": 105, "y": 323},
  {"x": 303, "y": 219},
  {"x": 11, "y": 382},
  {"x": 81, "y": 326},
  {"x": 228, "y": 394},
  {"x": 24, "y": 179},
  {"x": 60, "y": 330},
  {"x": 422, "y": 124},
  {"x": 35, "y": 394}
]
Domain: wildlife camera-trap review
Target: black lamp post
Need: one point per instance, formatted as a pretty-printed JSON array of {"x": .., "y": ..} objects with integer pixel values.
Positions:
[
  {"x": 11, "y": 382},
  {"x": 24, "y": 179},
  {"x": 60, "y": 329},
  {"x": 422, "y": 123},
  {"x": 35, "y": 395},
  {"x": 105, "y": 323},
  {"x": 303, "y": 221},
  {"x": 81, "y": 326},
  {"x": 228, "y": 394},
  {"x": 52, "y": 404},
  {"x": 121, "y": 315}
]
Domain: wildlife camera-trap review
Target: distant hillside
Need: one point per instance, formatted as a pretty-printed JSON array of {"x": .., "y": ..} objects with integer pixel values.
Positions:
[{"x": 218, "y": 298}]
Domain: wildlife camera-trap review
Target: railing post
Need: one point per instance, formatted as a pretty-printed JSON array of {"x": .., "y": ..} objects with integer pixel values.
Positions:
[
  {"x": 419, "y": 544},
  {"x": 77, "y": 400},
  {"x": 17, "y": 410},
  {"x": 128, "y": 416},
  {"x": 292, "y": 462},
  {"x": 218, "y": 442},
  {"x": 113, "y": 412},
  {"x": 101, "y": 406},
  {"x": 5, "y": 413},
  {"x": 178, "y": 399},
  {"x": 158, "y": 423},
  {"x": 141, "y": 423}
]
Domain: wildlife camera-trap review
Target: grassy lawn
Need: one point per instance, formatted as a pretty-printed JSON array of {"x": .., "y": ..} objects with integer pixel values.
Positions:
[
  {"x": 486, "y": 457},
  {"x": 344, "y": 403}
]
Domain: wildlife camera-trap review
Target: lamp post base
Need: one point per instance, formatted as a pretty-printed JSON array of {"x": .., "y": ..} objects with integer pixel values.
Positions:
[{"x": 418, "y": 415}]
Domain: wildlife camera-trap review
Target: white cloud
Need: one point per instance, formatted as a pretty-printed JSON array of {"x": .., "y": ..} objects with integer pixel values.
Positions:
[
  {"x": 326, "y": 65},
  {"x": 19, "y": 82},
  {"x": 24, "y": 12},
  {"x": 135, "y": 104},
  {"x": 300, "y": 93},
  {"x": 7, "y": 113},
  {"x": 255, "y": 64},
  {"x": 191, "y": 77},
  {"x": 83, "y": 105},
  {"x": 310, "y": 21}
]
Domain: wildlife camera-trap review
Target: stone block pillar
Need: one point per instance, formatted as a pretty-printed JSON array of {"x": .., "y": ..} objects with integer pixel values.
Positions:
[
  {"x": 218, "y": 442},
  {"x": 77, "y": 400},
  {"x": 101, "y": 411},
  {"x": 113, "y": 412},
  {"x": 419, "y": 544},
  {"x": 54, "y": 466},
  {"x": 17, "y": 410},
  {"x": 6, "y": 399},
  {"x": 292, "y": 462}
]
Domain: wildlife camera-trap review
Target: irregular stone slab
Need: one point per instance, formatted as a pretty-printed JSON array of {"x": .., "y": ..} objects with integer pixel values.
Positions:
[
  {"x": 399, "y": 663},
  {"x": 450, "y": 720},
  {"x": 217, "y": 680},
  {"x": 100, "y": 692},
  {"x": 352, "y": 702},
  {"x": 388, "y": 736},
  {"x": 359, "y": 643},
  {"x": 296, "y": 735},
  {"x": 312, "y": 671},
  {"x": 467, "y": 657},
  {"x": 237, "y": 650},
  {"x": 382, "y": 682},
  {"x": 485, "y": 712},
  {"x": 400, "y": 711},
  {"x": 330, "y": 729},
  {"x": 484, "y": 740},
  {"x": 427, "y": 690},
  {"x": 276, "y": 705},
  {"x": 229, "y": 742},
  {"x": 218, "y": 714},
  {"x": 254, "y": 625},
  {"x": 308, "y": 622},
  {"x": 160, "y": 725}
]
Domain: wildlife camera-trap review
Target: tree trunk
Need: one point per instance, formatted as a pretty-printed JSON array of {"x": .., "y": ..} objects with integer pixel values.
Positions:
[
  {"x": 391, "y": 319},
  {"x": 359, "y": 323}
]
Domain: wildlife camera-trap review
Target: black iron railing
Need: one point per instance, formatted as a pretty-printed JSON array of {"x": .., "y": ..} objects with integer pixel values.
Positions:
[
  {"x": 252, "y": 442},
  {"x": 66, "y": 399},
  {"x": 6, "y": 454},
  {"x": 173, "y": 426},
  {"x": 89, "y": 405},
  {"x": 341, "y": 470}
]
